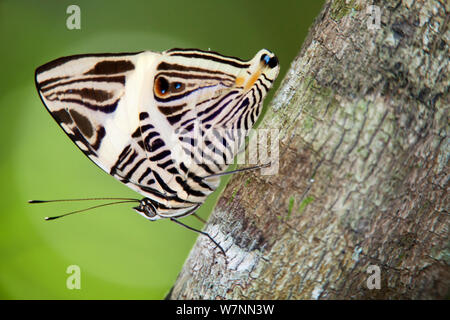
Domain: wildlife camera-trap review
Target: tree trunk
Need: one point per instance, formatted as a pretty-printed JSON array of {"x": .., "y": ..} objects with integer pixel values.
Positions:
[{"x": 363, "y": 170}]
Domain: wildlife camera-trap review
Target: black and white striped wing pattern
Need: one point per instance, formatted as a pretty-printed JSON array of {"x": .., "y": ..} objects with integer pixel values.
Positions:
[{"x": 159, "y": 122}]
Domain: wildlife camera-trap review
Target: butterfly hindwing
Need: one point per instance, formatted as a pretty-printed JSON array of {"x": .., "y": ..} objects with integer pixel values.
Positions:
[{"x": 82, "y": 93}]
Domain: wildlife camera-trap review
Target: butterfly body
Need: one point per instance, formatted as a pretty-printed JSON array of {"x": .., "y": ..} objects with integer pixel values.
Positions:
[{"x": 165, "y": 124}]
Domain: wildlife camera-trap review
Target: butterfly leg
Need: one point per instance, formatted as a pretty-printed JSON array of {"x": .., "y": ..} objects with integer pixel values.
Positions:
[
  {"x": 238, "y": 170},
  {"x": 199, "y": 218},
  {"x": 201, "y": 232}
]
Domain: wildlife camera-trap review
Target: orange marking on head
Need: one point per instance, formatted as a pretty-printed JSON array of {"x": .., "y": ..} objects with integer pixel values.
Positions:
[
  {"x": 240, "y": 81},
  {"x": 252, "y": 79}
]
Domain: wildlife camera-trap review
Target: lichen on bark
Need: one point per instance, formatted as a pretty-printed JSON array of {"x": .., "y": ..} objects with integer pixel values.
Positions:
[{"x": 364, "y": 148}]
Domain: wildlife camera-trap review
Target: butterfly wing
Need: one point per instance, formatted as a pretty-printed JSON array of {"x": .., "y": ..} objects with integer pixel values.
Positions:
[
  {"x": 89, "y": 98},
  {"x": 82, "y": 93},
  {"x": 123, "y": 112}
]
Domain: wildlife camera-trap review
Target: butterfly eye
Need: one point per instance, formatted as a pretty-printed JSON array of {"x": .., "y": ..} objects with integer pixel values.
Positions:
[
  {"x": 268, "y": 61},
  {"x": 161, "y": 86},
  {"x": 177, "y": 87}
]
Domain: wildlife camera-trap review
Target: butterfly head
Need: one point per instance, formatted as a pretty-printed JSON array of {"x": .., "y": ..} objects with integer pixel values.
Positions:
[
  {"x": 263, "y": 67},
  {"x": 147, "y": 209},
  {"x": 268, "y": 64}
]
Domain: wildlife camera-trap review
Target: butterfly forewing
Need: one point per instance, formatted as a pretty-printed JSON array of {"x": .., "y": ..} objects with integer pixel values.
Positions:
[{"x": 158, "y": 122}]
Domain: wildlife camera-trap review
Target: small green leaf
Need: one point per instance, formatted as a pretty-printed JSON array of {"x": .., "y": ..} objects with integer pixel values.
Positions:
[{"x": 304, "y": 203}]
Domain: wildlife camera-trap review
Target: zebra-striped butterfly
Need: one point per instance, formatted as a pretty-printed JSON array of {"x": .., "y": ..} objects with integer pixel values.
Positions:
[{"x": 165, "y": 124}]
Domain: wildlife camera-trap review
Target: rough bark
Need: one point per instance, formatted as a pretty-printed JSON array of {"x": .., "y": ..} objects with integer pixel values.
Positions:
[{"x": 363, "y": 122}]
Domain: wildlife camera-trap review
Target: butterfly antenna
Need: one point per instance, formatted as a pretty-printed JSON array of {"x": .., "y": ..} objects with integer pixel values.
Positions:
[
  {"x": 90, "y": 208},
  {"x": 82, "y": 199}
]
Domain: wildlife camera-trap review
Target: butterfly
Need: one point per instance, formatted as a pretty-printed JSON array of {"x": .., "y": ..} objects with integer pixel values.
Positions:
[{"x": 166, "y": 124}]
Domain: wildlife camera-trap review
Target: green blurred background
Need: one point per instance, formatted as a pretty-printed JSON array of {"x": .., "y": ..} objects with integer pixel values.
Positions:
[{"x": 121, "y": 255}]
